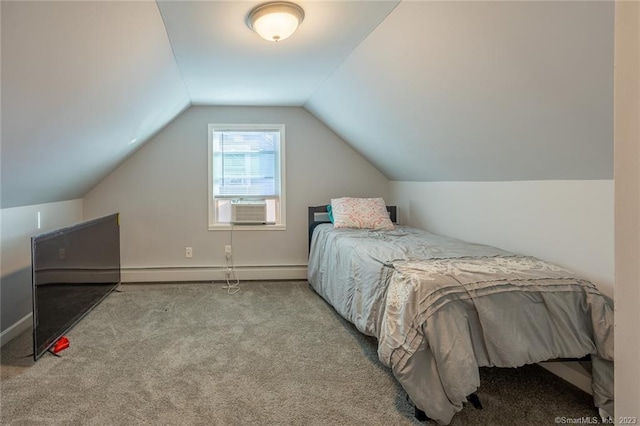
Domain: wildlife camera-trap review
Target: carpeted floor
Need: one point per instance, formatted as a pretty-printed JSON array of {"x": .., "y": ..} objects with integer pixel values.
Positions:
[{"x": 273, "y": 354}]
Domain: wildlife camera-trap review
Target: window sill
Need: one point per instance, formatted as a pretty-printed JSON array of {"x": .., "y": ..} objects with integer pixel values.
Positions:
[{"x": 225, "y": 227}]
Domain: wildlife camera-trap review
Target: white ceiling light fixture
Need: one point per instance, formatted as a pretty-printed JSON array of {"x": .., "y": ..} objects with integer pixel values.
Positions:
[{"x": 276, "y": 20}]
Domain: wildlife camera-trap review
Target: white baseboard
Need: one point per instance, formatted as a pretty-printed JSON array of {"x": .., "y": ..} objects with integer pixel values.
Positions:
[
  {"x": 15, "y": 329},
  {"x": 571, "y": 372},
  {"x": 212, "y": 273}
]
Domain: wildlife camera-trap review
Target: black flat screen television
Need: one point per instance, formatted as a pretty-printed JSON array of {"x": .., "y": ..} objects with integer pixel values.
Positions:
[{"x": 73, "y": 270}]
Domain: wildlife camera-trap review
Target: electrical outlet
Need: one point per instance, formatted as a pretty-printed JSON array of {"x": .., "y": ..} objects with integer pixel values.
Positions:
[
  {"x": 62, "y": 253},
  {"x": 188, "y": 252},
  {"x": 227, "y": 251}
]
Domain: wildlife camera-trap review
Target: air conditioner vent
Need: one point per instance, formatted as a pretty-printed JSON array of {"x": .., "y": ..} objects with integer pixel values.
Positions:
[{"x": 246, "y": 212}]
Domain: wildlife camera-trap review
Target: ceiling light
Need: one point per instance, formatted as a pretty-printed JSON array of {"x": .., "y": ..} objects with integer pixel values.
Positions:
[{"x": 275, "y": 21}]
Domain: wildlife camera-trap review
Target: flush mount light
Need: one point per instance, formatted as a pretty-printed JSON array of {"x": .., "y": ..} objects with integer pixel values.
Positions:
[{"x": 275, "y": 21}]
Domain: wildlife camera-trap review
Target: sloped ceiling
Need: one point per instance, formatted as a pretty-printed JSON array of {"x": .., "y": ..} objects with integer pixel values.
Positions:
[
  {"x": 80, "y": 82},
  {"x": 480, "y": 91},
  {"x": 424, "y": 90}
]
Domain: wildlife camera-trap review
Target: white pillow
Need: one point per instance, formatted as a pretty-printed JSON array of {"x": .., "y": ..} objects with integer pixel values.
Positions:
[{"x": 367, "y": 213}]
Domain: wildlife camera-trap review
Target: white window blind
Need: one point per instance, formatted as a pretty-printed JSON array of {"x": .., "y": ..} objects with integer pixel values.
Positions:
[{"x": 246, "y": 163}]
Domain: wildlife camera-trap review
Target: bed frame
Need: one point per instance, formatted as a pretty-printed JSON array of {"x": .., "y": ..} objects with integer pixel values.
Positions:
[{"x": 318, "y": 215}]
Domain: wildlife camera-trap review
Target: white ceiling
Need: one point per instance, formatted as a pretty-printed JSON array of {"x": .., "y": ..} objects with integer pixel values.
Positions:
[
  {"x": 223, "y": 62},
  {"x": 424, "y": 90}
]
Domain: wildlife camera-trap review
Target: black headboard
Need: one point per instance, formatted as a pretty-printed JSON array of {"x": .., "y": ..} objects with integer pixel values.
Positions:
[{"x": 323, "y": 209}]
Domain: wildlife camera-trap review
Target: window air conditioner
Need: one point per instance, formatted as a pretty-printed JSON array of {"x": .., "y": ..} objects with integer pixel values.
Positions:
[{"x": 249, "y": 212}]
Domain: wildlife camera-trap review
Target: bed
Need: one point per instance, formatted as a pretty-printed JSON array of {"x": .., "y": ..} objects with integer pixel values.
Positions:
[{"x": 440, "y": 308}]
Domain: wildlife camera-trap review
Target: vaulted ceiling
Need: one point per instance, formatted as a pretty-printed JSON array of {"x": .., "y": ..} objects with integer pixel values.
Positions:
[{"x": 424, "y": 90}]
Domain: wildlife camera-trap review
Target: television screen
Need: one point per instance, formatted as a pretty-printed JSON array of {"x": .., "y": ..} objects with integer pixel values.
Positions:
[{"x": 73, "y": 269}]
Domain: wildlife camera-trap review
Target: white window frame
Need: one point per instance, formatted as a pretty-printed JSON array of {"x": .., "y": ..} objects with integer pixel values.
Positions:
[{"x": 214, "y": 225}]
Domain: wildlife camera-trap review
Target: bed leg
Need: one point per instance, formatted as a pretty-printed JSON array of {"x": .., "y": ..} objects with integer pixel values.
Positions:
[
  {"x": 475, "y": 401},
  {"x": 420, "y": 415}
]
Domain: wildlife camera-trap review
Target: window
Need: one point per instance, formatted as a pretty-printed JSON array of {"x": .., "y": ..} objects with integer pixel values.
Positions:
[{"x": 246, "y": 168}]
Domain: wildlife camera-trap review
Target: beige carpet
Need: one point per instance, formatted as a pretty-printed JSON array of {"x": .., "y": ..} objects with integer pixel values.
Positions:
[{"x": 273, "y": 354}]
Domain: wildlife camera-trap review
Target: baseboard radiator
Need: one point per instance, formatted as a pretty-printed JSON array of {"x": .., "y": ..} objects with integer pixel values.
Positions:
[{"x": 212, "y": 273}]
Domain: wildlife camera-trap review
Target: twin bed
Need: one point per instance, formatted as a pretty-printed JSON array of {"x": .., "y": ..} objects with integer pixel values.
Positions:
[{"x": 441, "y": 308}]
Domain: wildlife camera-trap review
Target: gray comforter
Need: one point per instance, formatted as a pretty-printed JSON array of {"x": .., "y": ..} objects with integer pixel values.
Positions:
[{"x": 440, "y": 308}]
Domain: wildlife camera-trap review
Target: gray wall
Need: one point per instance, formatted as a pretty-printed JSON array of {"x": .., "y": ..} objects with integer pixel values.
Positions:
[
  {"x": 567, "y": 222},
  {"x": 161, "y": 191}
]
